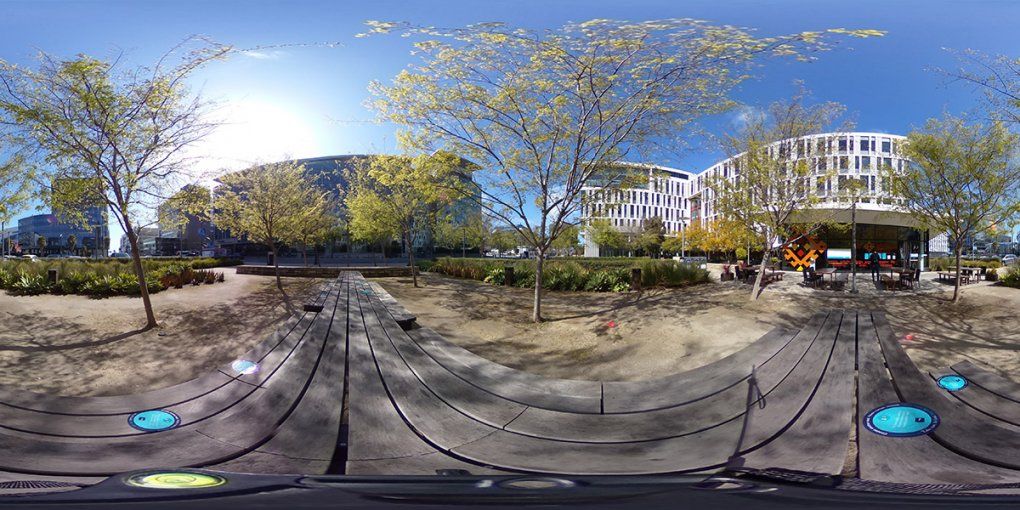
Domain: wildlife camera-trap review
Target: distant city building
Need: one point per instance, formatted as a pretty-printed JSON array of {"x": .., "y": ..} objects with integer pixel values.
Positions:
[
  {"x": 193, "y": 235},
  {"x": 145, "y": 235},
  {"x": 329, "y": 173},
  {"x": 156, "y": 246},
  {"x": 938, "y": 246},
  {"x": 93, "y": 237},
  {"x": 5, "y": 234}
]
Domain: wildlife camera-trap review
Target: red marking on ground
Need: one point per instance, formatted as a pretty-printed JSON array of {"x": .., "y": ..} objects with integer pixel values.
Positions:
[{"x": 611, "y": 324}]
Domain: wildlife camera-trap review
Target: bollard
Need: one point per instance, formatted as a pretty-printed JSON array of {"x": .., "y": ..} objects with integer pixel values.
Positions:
[
  {"x": 269, "y": 258},
  {"x": 508, "y": 276},
  {"x": 635, "y": 278},
  {"x": 52, "y": 275}
]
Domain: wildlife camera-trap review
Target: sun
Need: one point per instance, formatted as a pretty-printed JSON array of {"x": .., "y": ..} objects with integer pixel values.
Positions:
[{"x": 257, "y": 131}]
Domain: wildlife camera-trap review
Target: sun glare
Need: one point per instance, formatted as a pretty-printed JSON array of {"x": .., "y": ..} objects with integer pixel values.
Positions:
[{"x": 257, "y": 131}]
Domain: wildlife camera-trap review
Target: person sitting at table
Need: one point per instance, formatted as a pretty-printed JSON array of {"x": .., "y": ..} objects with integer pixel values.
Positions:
[{"x": 875, "y": 266}]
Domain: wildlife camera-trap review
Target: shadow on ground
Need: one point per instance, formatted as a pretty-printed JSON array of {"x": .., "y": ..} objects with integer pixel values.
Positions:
[
  {"x": 43, "y": 353},
  {"x": 628, "y": 336}
]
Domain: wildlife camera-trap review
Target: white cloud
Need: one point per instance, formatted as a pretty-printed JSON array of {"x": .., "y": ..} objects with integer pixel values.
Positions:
[
  {"x": 264, "y": 55},
  {"x": 746, "y": 114}
]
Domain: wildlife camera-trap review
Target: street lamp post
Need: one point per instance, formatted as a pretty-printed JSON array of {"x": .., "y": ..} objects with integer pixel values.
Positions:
[{"x": 853, "y": 247}]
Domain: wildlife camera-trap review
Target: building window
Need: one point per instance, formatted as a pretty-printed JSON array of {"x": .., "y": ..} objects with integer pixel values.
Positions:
[
  {"x": 865, "y": 145},
  {"x": 886, "y": 146},
  {"x": 842, "y": 145},
  {"x": 866, "y": 162}
]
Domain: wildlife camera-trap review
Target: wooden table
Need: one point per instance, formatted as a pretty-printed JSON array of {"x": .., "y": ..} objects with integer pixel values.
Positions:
[{"x": 828, "y": 271}]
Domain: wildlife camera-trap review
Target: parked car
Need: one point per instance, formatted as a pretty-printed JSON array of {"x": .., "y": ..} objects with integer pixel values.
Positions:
[
  {"x": 1008, "y": 260},
  {"x": 31, "y": 258}
]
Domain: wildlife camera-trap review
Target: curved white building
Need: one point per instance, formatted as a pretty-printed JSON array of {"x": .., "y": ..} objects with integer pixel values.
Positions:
[{"x": 835, "y": 159}]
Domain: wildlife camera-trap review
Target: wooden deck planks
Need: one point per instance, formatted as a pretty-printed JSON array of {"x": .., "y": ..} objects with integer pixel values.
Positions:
[
  {"x": 699, "y": 414},
  {"x": 215, "y": 440},
  {"x": 918, "y": 459},
  {"x": 1001, "y": 386},
  {"x": 698, "y": 383},
  {"x": 817, "y": 441},
  {"x": 962, "y": 429},
  {"x": 516, "y": 385}
]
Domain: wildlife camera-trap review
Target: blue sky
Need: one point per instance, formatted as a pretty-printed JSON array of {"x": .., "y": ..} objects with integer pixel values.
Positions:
[{"x": 307, "y": 101}]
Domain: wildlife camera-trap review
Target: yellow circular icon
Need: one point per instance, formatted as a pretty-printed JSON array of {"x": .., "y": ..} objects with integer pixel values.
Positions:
[{"x": 176, "y": 480}]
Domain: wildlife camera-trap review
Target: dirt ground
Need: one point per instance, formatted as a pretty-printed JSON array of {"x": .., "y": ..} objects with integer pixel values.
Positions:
[
  {"x": 76, "y": 346},
  {"x": 631, "y": 336}
]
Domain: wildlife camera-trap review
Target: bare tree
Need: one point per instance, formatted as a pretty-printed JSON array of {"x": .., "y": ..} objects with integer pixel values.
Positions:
[
  {"x": 771, "y": 181},
  {"x": 996, "y": 77},
  {"x": 109, "y": 136},
  {"x": 964, "y": 179},
  {"x": 547, "y": 113}
]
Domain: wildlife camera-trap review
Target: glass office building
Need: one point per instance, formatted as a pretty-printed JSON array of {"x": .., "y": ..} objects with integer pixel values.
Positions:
[{"x": 57, "y": 232}]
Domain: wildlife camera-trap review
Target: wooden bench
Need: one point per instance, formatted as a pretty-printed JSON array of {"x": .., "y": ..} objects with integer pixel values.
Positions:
[
  {"x": 224, "y": 416},
  {"x": 965, "y": 447},
  {"x": 462, "y": 412}
]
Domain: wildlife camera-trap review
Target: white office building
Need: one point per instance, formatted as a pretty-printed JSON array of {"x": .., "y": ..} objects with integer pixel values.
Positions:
[
  {"x": 835, "y": 159},
  {"x": 665, "y": 196}
]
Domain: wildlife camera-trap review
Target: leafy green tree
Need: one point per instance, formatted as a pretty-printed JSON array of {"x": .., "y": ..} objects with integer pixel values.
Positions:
[
  {"x": 652, "y": 236},
  {"x": 568, "y": 241},
  {"x": 72, "y": 243},
  {"x": 964, "y": 179},
  {"x": 40, "y": 242},
  {"x": 451, "y": 233},
  {"x": 771, "y": 188},
  {"x": 108, "y": 135},
  {"x": 268, "y": 205},
  {"x": 15, "y": 187},
  {"x": 673, "y": 244},
  {"x": 604, "y": 234},
  {"x": 547, "y": 113},
  {"x": 400, "y": 196},
  {"x": 503, "y": 240}
]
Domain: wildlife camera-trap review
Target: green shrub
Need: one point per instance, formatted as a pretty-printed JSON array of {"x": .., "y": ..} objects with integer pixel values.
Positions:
[
  {"x": 103, "y": 278},
  {"x": 609, "y": 280},
  {"x": 27, "y": 284},
  {"x": 991, "y": 275},
  {"x": 1012, "y": 277},
  {"x": 575, "y": 274}
]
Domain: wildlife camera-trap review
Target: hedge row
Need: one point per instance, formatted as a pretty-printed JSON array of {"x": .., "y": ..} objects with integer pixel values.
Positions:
[
  {"x": 944, "y": 263},
  {"x": 111, "y": 277},
  {"x": 591, "y": 275}
]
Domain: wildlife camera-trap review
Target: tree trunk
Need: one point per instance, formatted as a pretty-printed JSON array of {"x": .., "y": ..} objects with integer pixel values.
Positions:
[
  {"x": 136, "y": 256},
  {"x": 536, "y": 314},
  {"x": 410, "y": 259},
  {"x": 761, "y": 275},
  {"x": 276, "y": 265},
  {"x": 956, "y": 289},
  {"x": 304, "y": 254}
]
